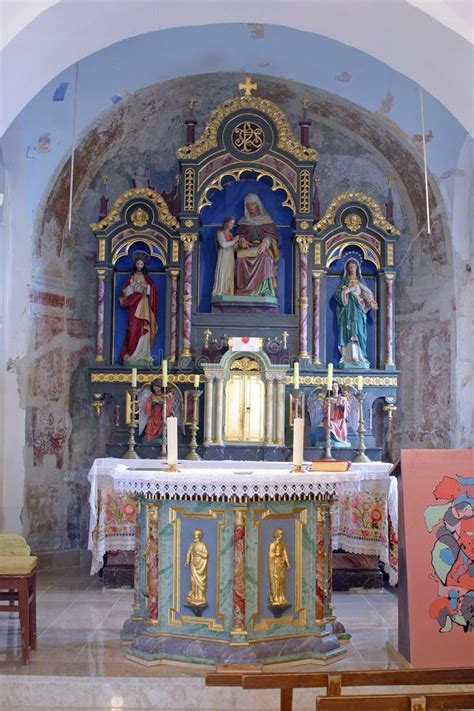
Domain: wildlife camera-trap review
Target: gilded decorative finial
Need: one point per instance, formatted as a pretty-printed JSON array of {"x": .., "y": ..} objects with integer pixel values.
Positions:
[
  {"x": 305, "y": 103},
  {"x": 248, "y": 86}
]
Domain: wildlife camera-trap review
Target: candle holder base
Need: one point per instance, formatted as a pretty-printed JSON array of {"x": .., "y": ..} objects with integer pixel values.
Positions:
[
  {"x": 193, "y": 457},
  {"x": 361, "y": 458},
  {"x": 131, "y": 454},
  {"x": 297, "y": 469},
  {"x": 172, "y": 468}
]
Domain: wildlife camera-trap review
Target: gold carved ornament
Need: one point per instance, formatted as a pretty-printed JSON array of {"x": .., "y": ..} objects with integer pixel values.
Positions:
[
  {"x": 164, "y": 215},
  {"x": 286, "y": 140},
  {"x": 188, "y": 241},
  {"x": 304, "y": 243},
  {"x": 245, "y": 363},
  {"x": 139, "y": 217},
  {"x": 235, "y": 173},
  {"x": 248, "y": 86},
  {"x": 353, "y": 222},
  {"x": 189, "y": 180},
  {"x": 305, "y": 181},
  {"x": 247, "y": 137},
  {"x": 329, "y": 217}
]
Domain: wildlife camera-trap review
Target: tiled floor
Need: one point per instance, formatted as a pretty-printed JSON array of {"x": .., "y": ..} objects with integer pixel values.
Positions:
[
  {"x": 79, "y": 624},
  {"x": 79, "y": 656}
]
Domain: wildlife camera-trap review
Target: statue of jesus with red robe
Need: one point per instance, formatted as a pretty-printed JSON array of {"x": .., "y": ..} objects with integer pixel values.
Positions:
[{"x": 140, "y": 297}]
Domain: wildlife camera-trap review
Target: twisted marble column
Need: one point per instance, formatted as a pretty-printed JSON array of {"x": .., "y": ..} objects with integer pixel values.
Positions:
[
  {"x": 151, "y": 554},
  {"x": 238, "y": 578},
  {"x": 304, "y": 243},
  {"x": 174, "y": 273},
  {"x": 317, "y": 275},
  {"x": 188, "y": 241},
  {"x": 99, "y": 351}
]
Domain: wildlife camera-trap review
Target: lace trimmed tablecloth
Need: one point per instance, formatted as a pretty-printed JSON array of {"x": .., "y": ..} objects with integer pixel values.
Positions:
[{"x": 366, "y": 496}]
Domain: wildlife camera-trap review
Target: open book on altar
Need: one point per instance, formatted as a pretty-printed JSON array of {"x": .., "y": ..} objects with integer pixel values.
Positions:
[
  {"x": 325, "y": 465},
  {"x": 250, "y": 252}
]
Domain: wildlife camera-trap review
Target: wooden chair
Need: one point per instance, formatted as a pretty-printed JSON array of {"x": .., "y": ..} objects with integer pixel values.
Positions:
[
  {"x": 397, "y": 702},
  {"x": 18, "y": 589},
  {"x": 335, "y": 681}
]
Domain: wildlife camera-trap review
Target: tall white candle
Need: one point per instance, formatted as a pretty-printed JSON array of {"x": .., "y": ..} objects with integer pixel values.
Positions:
[
  {"x": 329, "y": 376},
  {"x": 172, "y": 432},
  {"x": 196, "y": 382},
  {"x": 360, "y": 382},
  {"x": 296, "y": 375},
  {"x": 134, "y": 377},
  {"x": 298, "y": 441}
]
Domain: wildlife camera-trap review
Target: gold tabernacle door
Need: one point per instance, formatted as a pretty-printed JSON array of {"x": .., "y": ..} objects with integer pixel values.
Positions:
[{"x": 245, "y": 407}]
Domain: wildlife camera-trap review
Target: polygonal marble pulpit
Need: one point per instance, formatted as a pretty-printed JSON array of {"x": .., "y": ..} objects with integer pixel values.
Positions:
[{"x": 240, "y": 578}]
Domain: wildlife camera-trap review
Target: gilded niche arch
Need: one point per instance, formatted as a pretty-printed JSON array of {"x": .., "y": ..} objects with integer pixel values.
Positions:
[
  {"x": 137, "y": 212},
  {"x": 216, "y": 183},
  {"x": 375, "y": 216},
  {"x": 156, "y": 245}
]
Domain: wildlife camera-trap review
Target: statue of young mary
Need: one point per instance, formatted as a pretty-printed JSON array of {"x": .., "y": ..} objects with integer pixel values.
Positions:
[{"x": 354, "y": 300}]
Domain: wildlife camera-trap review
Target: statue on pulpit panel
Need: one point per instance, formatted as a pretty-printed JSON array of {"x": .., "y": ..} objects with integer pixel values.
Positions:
[
  {"x": 257, "y": 252},
  {"x": 354, "y": 300},
  {"x": 278, "y": 562},
  {"x": 197, "y": 560}
]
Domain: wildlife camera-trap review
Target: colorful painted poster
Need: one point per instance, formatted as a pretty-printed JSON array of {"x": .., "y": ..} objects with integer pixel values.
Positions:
[{"x": 436, "y": 609}]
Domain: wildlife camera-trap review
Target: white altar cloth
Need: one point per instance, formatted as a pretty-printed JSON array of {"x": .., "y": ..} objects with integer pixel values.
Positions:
[{"x": 240, "y": 480}]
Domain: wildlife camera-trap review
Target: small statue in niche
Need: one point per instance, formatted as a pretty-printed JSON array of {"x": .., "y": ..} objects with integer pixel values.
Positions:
[
  {"x": 197, "y": 559},
  {"x": 354, "y": 299},
  {"x": 150, "y": 402},
  {"x": 140, "y": 297},
  {"x": 278, "y": 562},
  {"x": 224, "y": 279},
  {"x": 340, "y": 411},
  {"x": 258, "y": 251}
]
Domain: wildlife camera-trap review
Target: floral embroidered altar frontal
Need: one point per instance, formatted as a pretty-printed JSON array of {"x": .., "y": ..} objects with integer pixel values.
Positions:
[
  {"x": 233, "y": 562},
  {"x": 364, "y": 514}
]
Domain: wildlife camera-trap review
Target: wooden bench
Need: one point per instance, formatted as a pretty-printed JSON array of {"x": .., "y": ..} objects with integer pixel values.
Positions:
[
  {"x": 334, "y": 682},
  {"x": 397, "y": 702},
  {"x": 18, "y": 588}
]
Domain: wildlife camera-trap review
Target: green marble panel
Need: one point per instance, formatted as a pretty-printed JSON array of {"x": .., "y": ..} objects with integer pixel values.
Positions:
[{"x": 194, "y": 514}]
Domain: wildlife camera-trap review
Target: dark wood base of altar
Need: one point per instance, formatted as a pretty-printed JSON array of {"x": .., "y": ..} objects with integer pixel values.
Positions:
[
  {"x": 350, "y": 571},
  {"x": 243, "y": 452}
]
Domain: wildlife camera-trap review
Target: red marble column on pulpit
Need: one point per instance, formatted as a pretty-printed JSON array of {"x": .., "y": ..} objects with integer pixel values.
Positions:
[
  {"x": 238, "y": 595},
  {"x": 151, "y": 552},
  {"x": 188, "y": 241}
]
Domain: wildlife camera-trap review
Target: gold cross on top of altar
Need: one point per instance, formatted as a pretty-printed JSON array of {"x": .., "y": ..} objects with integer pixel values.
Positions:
[{"x": 248, "y": 86}]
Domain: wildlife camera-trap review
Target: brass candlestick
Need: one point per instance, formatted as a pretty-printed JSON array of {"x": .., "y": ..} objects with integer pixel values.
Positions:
[
  {"x": 133, "y": 414},
  {"x": 329, "y": 400},
  {"x": 192, "y": 454},
  {"x": 361, "y": 457},
  {"x": 164, "y": 431}
]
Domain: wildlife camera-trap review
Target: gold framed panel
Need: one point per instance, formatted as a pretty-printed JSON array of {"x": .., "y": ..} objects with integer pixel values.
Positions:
[
  {"x": 299, "y": 618},
  {"x": 175, "y": 617}
]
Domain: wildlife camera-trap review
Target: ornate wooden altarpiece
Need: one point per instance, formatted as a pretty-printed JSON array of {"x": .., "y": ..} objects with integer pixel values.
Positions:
[{"x": 246, "y": 147}]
